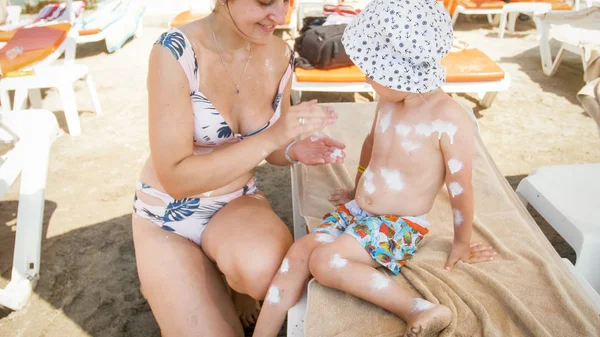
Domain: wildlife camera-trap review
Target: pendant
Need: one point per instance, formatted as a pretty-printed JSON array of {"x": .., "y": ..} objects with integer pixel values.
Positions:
[{"x": 237, "y": 90}]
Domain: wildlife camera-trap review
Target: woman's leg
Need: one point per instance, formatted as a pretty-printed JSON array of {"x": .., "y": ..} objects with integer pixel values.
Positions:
[
  {"x": 185, "y": 291},
  {"x": 287, "y": 286},
  {"x": 248, "y": 242},
  {"x": 345, "y": 265}
]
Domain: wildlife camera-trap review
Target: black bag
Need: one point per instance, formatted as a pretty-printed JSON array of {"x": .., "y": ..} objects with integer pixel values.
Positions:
[{"x": 321, "y": 47}]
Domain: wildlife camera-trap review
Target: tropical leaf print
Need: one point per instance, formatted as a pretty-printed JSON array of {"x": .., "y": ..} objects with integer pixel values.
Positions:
[
  {"x": 201, "y": 99},
  {"x": 224, "y": 131},
  {"x": 181, "y": 209},
  {"x": 174, "y": 41}
]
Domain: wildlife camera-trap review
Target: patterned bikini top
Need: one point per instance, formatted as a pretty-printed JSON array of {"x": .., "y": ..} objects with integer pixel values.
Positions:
[{"x": 210, "y": 128}]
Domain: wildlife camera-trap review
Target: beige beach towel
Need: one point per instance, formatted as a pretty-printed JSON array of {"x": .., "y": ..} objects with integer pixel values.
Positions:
[
  {"x": 589, "y": 97},
  {"x": 525, "y": 291}
]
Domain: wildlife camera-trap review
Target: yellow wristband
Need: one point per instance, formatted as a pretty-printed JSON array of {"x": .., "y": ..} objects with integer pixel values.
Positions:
[{"x": 361, "y": 169}]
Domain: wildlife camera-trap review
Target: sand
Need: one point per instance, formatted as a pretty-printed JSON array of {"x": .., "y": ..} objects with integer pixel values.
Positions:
[{"x": 89, "y": 285}]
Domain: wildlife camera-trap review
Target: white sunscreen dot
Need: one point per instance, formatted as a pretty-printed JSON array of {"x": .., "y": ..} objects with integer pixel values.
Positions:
[
  {"x": 393, "y": 179},
  {"x": 384, "y": 122},
  {"x": 368, "y": 182},
  {"x": 267, "y": 63},
  {"x": 264, "y": 153},
  {"x": 325, "y": 238},
  {"x": 287, "y": 52},
  {"x": 442, "y": 127},
  {"x": 458, "y": 217},
  {"x": 423, "y": 130},
  {"x": 455, "y": 189},
  {"x": 410, "y": 147},
  {"x": 317, "y": 137},
  {"x": 337, "y": 261},
  {"x": 379, "y": 281},
  {"x": 285, "y": 266},
  {"x": 337, "y": 153},
  {"x": 273, "y": 295},
  {"x": 403, "y": 130},
  {"x": 420, "y": 304},
  {"x": 454, "y": 165}
]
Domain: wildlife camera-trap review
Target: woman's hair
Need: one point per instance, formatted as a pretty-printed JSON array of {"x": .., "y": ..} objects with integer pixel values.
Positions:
[{"x": 226, "y": 3}]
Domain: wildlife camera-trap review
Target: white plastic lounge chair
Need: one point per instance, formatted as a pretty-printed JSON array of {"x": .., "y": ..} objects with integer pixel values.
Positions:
[
  {"x": 568, "y": 197},
  {"x": 493, "y": 8},
  {"x": 498, "y": 212},
  {"x": 114, "y": 22},
  {"x": 36, "y": 130},
  {"x": 511, "y": 11},
  {"x": 578, "y": 32},
  {"x": 27, "y": 64}
]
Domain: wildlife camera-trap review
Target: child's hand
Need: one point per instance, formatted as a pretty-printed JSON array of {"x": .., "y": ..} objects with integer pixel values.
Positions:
[
  {"x": 318, "y": 150},
  {"x": 341, "y": 196},
  {"x": 474, "y": 253}
]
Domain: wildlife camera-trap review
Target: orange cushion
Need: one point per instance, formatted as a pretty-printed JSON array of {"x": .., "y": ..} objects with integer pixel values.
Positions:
[
  {"x": 470, "y": 65},
  {"x": 450, "y": 5},
  {"x": 91, "y": 31},
  {"x": 482, "y": 4},
  {"x": 31, "y": 45},
  {"x": 557, "y": 5},
  {"x": 186, "y": 17},
  {"x": 345, "y": 74},
  {"x": 6, "y": 35}
]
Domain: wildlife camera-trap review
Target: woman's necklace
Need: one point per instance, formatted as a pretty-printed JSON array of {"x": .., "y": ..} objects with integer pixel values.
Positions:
[{"x": 237, "y": 85}]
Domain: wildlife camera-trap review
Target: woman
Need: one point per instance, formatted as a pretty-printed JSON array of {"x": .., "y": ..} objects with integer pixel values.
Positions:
[{"x": 218, "y": 93}]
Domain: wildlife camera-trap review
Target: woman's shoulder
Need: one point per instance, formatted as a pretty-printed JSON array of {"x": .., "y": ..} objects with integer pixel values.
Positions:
[
  {"x": 281, "y": 53},
  {"x": 176, "y": 41}
]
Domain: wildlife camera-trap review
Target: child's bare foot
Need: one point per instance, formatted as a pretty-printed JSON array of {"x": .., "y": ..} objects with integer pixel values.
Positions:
[
  {"x": 429, "y": 322},
  {"x": 341, "y": 196},
  {"x": 246, "y": 307}
]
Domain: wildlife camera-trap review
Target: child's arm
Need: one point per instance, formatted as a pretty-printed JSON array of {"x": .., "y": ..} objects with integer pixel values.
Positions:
[{"x": 458, "y": 156}]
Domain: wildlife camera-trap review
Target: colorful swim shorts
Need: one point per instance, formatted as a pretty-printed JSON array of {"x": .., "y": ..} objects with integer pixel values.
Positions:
[{"x": 391, "y": 240}]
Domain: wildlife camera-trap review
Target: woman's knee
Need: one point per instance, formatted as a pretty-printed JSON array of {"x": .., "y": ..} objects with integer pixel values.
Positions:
[{"x": 253, "y": 274}]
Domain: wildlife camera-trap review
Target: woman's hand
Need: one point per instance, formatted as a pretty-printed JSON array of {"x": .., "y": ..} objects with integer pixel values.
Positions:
[
  {"x": 474, "y": 253},
  {"x": 318, "y": 150},
  {"x": 302, "y": 119}
]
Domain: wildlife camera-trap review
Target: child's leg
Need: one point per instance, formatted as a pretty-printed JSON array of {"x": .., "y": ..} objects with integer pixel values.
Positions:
[
  {"x": 287, "y": 285},
  {"x": 347, "y": 266}
]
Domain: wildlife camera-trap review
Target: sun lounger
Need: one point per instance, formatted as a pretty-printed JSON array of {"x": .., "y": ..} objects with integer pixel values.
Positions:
[
  {"x": 27, "y": 63},
  {"x": 114, "y": 22},
  {"x": 468, "y": 70},
  {"x": 36, "y": 130},
  {"x": 578, "y": 32},
  {"x": 526, "y": 291},
  {"x": 50, "y": 14},
  {"x": 568, "y": 197},
  {"x": 197, "y": 11},
  {"x": 495, "y": 7}
]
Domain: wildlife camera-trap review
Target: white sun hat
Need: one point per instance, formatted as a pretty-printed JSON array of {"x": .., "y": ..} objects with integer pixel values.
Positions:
[{"x": 400, "y": 43}]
